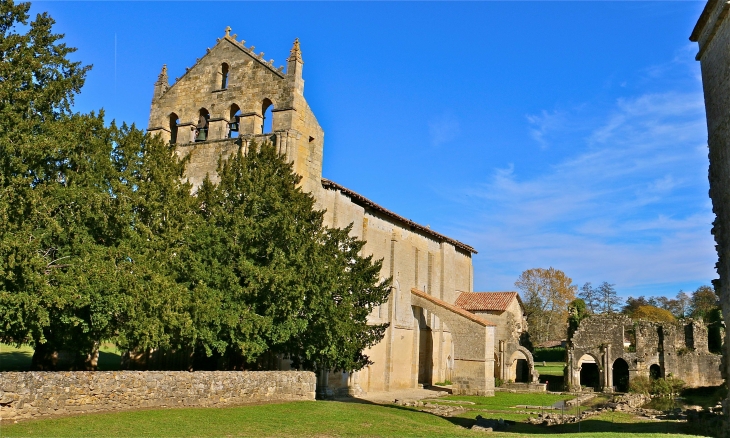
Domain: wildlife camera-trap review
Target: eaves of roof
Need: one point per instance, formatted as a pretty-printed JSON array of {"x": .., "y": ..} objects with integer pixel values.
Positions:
[{"x": 367, "y": 203}]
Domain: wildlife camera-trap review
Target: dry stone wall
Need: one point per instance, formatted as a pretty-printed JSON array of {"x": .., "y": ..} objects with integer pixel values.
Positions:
[{"x": 41, "y": 394}]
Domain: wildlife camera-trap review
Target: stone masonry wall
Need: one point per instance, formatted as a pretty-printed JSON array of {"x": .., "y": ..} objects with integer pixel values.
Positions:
[
  {"x": 678, "y": 348},
  {"x": 28, "y": 395},
  {"x": 712, "y": 34}
]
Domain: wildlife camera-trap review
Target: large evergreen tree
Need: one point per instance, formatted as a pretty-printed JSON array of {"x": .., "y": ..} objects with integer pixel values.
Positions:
[{"x": 274, "y": 278}]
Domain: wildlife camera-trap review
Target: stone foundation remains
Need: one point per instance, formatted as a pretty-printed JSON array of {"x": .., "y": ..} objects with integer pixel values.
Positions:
[{"x": 29, "y": 395}]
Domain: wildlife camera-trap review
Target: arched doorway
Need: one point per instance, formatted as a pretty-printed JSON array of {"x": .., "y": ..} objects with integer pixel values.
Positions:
[
  {"x": 589, "y": 372},
  {"x": 519, "y": 371},
  {"x": 655, "y": 372},
  {"x": 425, "y": 347},
  {"x": 621, "y": 375}
]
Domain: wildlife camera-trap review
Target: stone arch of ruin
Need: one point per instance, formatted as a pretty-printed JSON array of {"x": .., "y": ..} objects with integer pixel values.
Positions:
[
  {"x": 678, "y": 347},
  {"x": 473, "y": 343},
  {"x": 513, "y": 349}
]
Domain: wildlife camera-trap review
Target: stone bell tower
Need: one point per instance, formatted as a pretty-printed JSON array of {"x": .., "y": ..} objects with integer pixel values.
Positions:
[{"x": 232, "y": 96}]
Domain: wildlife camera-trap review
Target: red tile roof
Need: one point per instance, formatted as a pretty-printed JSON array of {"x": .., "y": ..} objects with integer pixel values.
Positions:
[
  {"x": 452, "y": 308},
  {"x": 495, "y": 301}
]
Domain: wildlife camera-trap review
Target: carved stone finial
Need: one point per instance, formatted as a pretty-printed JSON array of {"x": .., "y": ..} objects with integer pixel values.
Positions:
[
  {"x": 162, "y": 78},
  {"x": 235, "y": 35},
  {"x": 296, "y": 52},
  {"x": 228, "y": 31}
]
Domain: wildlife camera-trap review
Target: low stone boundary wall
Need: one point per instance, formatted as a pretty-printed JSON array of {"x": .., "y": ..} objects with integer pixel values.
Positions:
[{"x": 40, "y": 394}]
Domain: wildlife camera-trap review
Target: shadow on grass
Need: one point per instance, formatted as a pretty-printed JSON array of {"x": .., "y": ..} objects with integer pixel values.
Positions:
[
  {"x": 21, "y": 361},
  {"x": 109, "y": 361},
  {"x": 594, "y": 425},
  {"x": 15, "y": 361}
]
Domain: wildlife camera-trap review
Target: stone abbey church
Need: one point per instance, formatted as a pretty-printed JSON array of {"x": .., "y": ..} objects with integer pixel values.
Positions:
[{"x": 231, "y": 97}]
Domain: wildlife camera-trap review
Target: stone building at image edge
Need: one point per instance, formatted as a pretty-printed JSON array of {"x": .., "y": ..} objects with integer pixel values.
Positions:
[
  {"x": 232, "y": 96},
  {"x": 712, "y": 34}
]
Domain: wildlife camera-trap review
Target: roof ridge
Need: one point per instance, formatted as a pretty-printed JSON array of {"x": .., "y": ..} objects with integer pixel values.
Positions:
[{"x": 326, "y": 183}]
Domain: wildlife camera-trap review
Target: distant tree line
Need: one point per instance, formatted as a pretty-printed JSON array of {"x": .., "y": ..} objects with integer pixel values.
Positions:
[
  {"x": 102, "y": 240},
  {"x": 552, "y": 307}
]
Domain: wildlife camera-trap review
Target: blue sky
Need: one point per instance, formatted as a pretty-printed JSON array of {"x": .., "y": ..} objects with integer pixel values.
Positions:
[{"x": 564, "y": 134}]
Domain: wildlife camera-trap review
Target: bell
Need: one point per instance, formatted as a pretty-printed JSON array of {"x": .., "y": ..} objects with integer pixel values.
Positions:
[
  {"x": 202, "y": 135},
  {"x": 233, "y": 126}
]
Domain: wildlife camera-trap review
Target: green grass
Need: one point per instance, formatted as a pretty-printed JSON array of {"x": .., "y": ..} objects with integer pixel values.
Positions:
[
  {"x": 15, "y": 359},
  {"x": 550, "y": 368},
  {"x": 507, "y": 400},
  {"x": 19, "y": 359},
  {"x": 320, "y": 419}
]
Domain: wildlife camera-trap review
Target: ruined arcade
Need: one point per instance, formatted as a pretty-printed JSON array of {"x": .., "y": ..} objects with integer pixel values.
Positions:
[
  {"x": 608, "y": 351},
  {"x": 232, "y": 97}
]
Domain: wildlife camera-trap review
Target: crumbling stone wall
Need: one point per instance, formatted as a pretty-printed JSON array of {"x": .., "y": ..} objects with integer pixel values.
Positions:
[
  {"x": 679, "y": 349},
  {"x": 41, "y": 394},
  {"x": 712, "y": 34}
]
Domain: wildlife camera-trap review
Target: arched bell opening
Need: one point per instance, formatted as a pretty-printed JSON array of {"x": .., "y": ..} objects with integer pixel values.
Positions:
[
  {"x": 589, "y": 372},
  {"x": 621, "y": 375},
  {"x": 234, "y": 121},
  {"x": 201, "y": 129},
  {"x": 223, "y": 76},
  {"x": 267, "y": 107},
  {"x": 174, "y": 123}
]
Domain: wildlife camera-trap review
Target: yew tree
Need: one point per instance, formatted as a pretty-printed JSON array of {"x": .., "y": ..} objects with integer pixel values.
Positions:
[{"x": 266, "y": 276}]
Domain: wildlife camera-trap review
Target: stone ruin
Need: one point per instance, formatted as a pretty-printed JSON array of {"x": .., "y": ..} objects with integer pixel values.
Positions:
[{"x": 608, "y": 351}]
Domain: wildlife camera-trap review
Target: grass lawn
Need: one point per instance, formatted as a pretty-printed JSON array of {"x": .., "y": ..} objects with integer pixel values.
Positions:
[
  {"x": 18, "y": 359},
  {"x": 321, "y": 419},
  {"x": 550, "y": 368},
  {"x": 507, "y": 400}
]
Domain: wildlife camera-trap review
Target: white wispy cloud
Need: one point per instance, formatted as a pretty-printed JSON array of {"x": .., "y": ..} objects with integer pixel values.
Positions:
[{"x": 628, "y": 206}]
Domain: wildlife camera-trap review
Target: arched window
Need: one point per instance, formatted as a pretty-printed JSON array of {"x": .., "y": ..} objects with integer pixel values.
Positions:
[
  {"x": 224, "y": 76},
  {"x": 266, "y": 110},
  {"x": 201, "y": 129},
  {"x": 234, "y": 126},
  {"x": 174, "y": 122}
]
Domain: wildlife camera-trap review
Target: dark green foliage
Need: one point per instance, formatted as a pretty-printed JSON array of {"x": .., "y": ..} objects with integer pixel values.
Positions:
[
  {"x": 554, "y": 354},
  {"x": 662, "y": 387},
  {"x": 273, "y": 278},
  {"x": 703, "y": 301}
]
